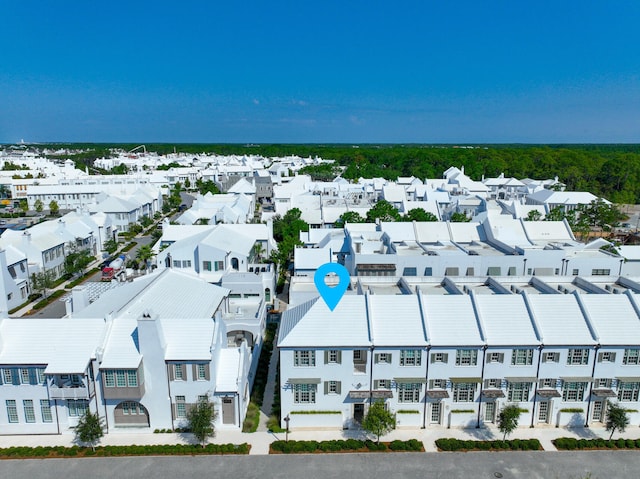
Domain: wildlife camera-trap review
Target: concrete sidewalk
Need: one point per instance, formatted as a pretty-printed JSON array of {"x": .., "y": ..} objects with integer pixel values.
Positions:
[{"x": 260, "y": 440}]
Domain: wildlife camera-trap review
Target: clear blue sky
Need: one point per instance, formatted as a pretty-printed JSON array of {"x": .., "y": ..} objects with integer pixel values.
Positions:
[{"x": 345, "y": 71}]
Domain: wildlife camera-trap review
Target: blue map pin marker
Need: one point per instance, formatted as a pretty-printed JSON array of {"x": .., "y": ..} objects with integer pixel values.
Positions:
[{"x": 332, "y": 294}]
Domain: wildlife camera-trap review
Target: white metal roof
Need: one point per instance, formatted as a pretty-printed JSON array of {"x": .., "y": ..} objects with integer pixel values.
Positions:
[
  {"x": 228, "y": 370},
  {"x": 614, "y": 318},
  {"x": 188, "y": 340},
  {"x": 451, "y": 320},
  {"x": 396, "y": 320},
  {"x": 506, "y": 320},
  {"x": 561, "y": 320},
  {"x": 65, "y": 345}
]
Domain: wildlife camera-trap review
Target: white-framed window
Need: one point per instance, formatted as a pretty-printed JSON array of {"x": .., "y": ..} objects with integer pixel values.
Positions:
[
  {"x": 7, "y": 376},
  {"x": 45, "y": 409},
  {"x": 466, "y": 357},
  {"x": 40, "y": 375},
  {"x": 304, "y": 393},
  {"x": 24, "y": 376},
  {"x": 573, "y": 391},
  {"x": 383, "y": 358},
  {"x": 603, "y": 383},
  {"x": 409, "y": 392},
  {"x": 464, "y": 392},
  {"x": 201, "y": 371},
  {"x": 121, "y": 378},
  {"x": 132, "y": 378},
  {"x": 522, "y": 357},
  {"x": 493, "y": 383},
  {"x": 305, "y": 358},
  {"x": 518, "y": 392},
  {"x": 438, "y": 384},
  {"x": 495, "y": 357},
  {"x": 628, "y": 391},
  {"x": 77, "y": 407},
  {"x": 29, "y": 411},
  {"x": 186, "y": 263},
  {"x": 547, "y": 383},
  {"x": 382, "y": 384},
  {"x": 410, "y": 357},
  {"x": 181, "y": 407},
  {"x": 578, "y": 356},
  {"x": 206, "y": 266},
  {"x": 333, "y": 356},
  {"x": 606, "y": 357},
  {"x": 439, "y": 357},
  {"x": 12, "y": 410},
  {"x": 109, "y": 379},
  {"x": 178, "y": 372},
  {"x": 131, "y": 408},
  {"x": 631, "y": 356},
  {"x": 549, "y": 357},
  {"x": 333, "y": 387},
  {"x": 600, "y": 272}
]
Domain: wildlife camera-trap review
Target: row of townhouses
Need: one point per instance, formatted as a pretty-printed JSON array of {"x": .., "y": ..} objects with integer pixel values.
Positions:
[
  {"x": 439, "y": 357},
  {"x": 140, "y": 355}
]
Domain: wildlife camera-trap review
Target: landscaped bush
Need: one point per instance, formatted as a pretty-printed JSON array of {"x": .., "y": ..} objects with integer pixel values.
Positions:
[
  {"x": 451, "y": 444},
  {"x": 571, "y": 444},
  {"x": 298, "y": 447},
  {"x": 49, "y": 299},
  {"x": 75, "y": 451}
]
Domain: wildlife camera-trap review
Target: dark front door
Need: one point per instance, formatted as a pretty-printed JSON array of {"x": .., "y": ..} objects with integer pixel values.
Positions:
[{"x": 358, "y": 412}]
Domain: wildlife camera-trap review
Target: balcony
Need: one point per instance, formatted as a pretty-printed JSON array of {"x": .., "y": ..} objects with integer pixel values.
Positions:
[{"x": 56, "y": 392}]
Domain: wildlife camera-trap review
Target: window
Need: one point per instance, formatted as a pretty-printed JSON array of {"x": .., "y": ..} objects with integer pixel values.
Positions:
[
  {"x": 548, "y": 383},
  {"x": 451, "y": 272},
  {"x": 631, "y": 356},
  {"x": 332, "y": 387},
  {"x": 383, "y": 358},
  {"x": 178, "y": 372},
  {"x": 600, "y": 272},
  {"x": 494, "y": 271},
  {"x": 77, "y": 407},
  {"x": 628, "y": 391},
  {"x": 466, "y": 357},
  {"x": 132, "y": 378},
  {"x": 602, "y": 383},
  {"x": 40, "y": 375},
  {"x": 522, "y": 357},
  {"x": 576, "y": 272},
  {"x": 439, "y": 357},
  {"x": 45, "y": 409},
  {"x": 438, "y": 384},
  {"x": 7, "y": 376},
  {"x": 333, "y": 356},
  {"x": 131, "y": 408},
  {"x": 206, "y": 266},
  {"x": 494, "y": 383},
  {"x": 410, "y": 357},
  {"x": 410, "y": 272},
  {"x": 29, "y": 412},
  {"x": 428, "y": 271},
  {"x": 518, "y": 391},
  {"x": 578, "y": 356},
  {"x": 382, "y": 384},
  {"x": 181, "y": 407},
  {"x": 357, "y": 355},
  {"x": 551, "y": 358},
  {"x": 304, "y": 393},
  {"x": 12, "y": 410},
  {"x": 464, "y": 392},
  {"x": 121, "y": 379},
  {"x": 24, "y": 376},
  {"x": 409, "y": 392},
  {"x": 186, "y": 263},
  {"x": 109, "y": 379},
  {"x": 607, "y": 357},
  {"x": 495, "y": 357},
  {"x": 573, "y": 391},
  {"x": 218, "y": 265},
  {"x": 304, "y": 358}
]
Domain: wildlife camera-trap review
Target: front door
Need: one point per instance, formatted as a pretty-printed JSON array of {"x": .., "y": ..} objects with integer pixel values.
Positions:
[
  {"x": 228, "y": 411},
  {"x": 358, "y": 412},
  {"x": 490, "y": 411},
  {"x": 543, "y": 411},
  {"x": 436, "y": 409},
  {"x": 597, "y": 411}
]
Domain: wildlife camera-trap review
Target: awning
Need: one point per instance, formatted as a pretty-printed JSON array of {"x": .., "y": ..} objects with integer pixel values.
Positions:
[
  {"x": 577, "y": 379},
  {"x": 493, "y": 393},
  {"x": 631, "y": 379},
  {"x": 304, "y": 381},
  {"x": 381, "y": 394},
  {"x": 437, "y": 394},
  {"x": 518, "y": 379},
  {"x": 548, "y": 393},
  {"x": 359, "y": 394},
  {"x": 604, "y": 393},
  {"x": 466, "y": 380},
  {"x": 410, "y": 380}
]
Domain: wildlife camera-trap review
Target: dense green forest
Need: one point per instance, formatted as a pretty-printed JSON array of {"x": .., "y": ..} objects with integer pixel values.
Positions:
[{"x": 611, "y": 171}]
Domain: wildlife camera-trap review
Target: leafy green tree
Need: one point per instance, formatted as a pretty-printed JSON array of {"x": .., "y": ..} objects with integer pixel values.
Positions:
[
  {"x": 54, "y": 209},
  {"x": 534, "y": 215},
  {"x": 384, "y": 211},
  {"x": 43, "y": 281},
  {"x": 555, "y": 214},
  {"x": 378, "y": 420},
  {"x": 617, "y": 418},
  {"x": 135, "y": 228},
  {"x": 205, "y": 187},
  {"x": 90, "y": 429},
  {"x": 201, "y": 418},
  {"x": 419, "y": 214},
  {"x": 38, "y": 205},
  {"x": 508, "y": 419},
  {"x": 110, "y": 246},
  {"x": 187, "y": 184},
  {"x": 76, "y": 260},
  {"x": 121, "y": 169},
  {"x": 458, "y": 217},
  {"x": 348, "y": 217},
  {"x": 145, "y": 221}
]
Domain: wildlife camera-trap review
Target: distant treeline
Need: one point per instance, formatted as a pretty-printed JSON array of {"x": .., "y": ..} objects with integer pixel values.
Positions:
[{"x": 611, "y": 171}]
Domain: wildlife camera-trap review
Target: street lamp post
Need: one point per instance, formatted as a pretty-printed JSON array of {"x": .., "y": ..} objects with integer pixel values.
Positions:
[{"x": 286, "y": 432}]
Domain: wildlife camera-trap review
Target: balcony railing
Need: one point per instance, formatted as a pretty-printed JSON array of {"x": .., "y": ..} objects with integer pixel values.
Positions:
[{"x": 56, "y": 392}]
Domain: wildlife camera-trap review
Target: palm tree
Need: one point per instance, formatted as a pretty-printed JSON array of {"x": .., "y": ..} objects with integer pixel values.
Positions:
[{"x": 144, "y": 254}]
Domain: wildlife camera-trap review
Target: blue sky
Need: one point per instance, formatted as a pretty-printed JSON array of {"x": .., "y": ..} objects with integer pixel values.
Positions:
[{"x": 347, "y": 71}]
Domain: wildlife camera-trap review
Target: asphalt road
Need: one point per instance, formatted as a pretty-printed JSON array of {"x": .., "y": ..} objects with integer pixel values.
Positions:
[{"x": 482, "y": 465}]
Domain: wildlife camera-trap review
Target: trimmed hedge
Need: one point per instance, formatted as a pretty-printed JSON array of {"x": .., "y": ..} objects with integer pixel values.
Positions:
[
  {"x": 343, "y": 445},
  {"x": 450, "y": 444},
  {"x": 572, "y": 444},
  {"x": 108, "y": 451},
  {"x": 50, "y": 299}
]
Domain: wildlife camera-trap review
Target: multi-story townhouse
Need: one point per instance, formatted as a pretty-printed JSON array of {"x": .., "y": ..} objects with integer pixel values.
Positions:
[
  {"x": 140, "y": 356},
  {"x": 14, "y": 280},
  {"x": 456, "y": 359}
]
